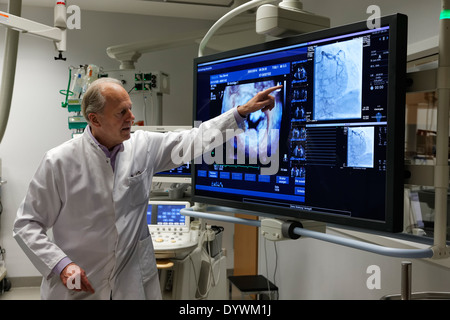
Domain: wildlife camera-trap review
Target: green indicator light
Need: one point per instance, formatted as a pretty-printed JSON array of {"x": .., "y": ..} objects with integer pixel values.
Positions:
[{"x": 445, "y": 14}]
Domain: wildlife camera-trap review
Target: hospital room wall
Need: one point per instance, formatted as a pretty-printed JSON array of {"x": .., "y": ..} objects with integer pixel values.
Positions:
[
  {"x": 306, "y": 268},
  {"x": 37, "y": 121},
  {"x": 312, "y": 269}
]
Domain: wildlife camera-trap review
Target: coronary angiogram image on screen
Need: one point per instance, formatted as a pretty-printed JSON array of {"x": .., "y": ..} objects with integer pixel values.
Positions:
[
  {"x": 338, "y": 80},
  {"x": 258, "y": 138},
  {"x": 360, "y": 147}
]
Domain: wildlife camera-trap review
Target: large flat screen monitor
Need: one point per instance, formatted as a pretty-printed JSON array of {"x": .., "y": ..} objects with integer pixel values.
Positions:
[
  {"x": 181, "y": 174},
  {"x": 332, "y": 148},
  {"x": 181, "y": 171}
]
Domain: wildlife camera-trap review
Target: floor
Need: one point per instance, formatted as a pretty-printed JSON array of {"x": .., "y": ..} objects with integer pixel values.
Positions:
[
  {"x": 21, "y": 293},
  {"x": 33, "y": 293}
]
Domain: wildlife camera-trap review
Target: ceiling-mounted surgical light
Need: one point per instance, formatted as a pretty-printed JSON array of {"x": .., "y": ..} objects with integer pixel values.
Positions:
[{"x": 287, "y": 19}]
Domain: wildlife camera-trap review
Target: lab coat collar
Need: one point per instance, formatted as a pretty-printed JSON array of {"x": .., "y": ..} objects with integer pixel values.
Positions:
[{"x": 111, "y": 155}]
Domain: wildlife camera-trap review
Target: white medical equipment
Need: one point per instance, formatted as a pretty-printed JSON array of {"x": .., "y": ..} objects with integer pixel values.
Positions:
[
  {"x": 79, "y": 80},
  {"x": 146, "y": 89},
  {"x": 171, "y": 177},
  {"x": 439, "y": 250},
  {"x": 170, "y": 230},
  {"x": 196, "y": 277},
  {"x": 15, "y": 24},
  {"x": 57, "y": 33},
  {"x": 286, "y": 19}
]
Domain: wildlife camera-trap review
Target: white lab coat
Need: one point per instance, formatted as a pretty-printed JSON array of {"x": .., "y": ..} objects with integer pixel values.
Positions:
[{"x": 97, "y": 216}]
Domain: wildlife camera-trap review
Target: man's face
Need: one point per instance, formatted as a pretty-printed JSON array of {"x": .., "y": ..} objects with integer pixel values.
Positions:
[{"x": 113, "y": 125}]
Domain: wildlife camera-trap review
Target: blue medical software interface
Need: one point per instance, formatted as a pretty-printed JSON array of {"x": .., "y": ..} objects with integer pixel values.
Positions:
[{"x": 164, "y": 214}]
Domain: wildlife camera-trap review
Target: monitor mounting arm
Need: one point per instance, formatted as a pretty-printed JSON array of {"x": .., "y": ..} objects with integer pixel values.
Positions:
[
  {"x": 14, "y": 26},
  {"x": 287, "y": 18}
]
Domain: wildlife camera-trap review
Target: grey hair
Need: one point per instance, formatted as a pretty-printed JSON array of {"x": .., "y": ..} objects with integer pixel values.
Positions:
[{"x": 93, "y": 99}]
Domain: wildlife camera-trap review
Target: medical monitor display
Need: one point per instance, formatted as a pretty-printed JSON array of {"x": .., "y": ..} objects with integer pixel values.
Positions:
[
  {"x": 332, "y": 147},
  {"x": 165, "y": 214}
]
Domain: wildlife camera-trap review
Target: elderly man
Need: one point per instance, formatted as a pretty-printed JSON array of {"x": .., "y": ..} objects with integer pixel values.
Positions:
[{"x": 92, "y": 191}]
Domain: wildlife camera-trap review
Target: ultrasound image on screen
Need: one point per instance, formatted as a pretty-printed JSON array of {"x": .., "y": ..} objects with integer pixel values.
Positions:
[
  {"x": 360, "y": 147},
  {"x": 257, "y": 138},
  {"x": 338, "y": 80}
]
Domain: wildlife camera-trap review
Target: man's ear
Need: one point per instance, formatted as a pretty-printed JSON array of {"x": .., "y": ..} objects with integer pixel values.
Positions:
[{"x": 93, "y": 119}]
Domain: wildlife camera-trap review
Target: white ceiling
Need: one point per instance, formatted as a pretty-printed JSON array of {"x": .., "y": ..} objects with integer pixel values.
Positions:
[{"x": 148, "y": 7}]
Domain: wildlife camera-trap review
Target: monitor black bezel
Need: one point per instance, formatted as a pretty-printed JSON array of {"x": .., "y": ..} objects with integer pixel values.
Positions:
[{"x": 398, "y": 25}]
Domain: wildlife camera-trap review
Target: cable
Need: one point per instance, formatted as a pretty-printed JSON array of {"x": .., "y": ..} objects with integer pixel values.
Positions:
[
  {"x": 267, "y": 267},
  {"x": 145, "y": 109},
  {"x": 276, "y": 262},
  {"x": 131, "y": 89},
  {"x": 67, "y": 92}
]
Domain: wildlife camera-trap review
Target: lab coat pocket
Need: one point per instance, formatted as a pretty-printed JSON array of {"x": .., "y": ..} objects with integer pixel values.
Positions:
[
  {"x": 147, "y": 261},
  {"x": 139, "y": 188}
]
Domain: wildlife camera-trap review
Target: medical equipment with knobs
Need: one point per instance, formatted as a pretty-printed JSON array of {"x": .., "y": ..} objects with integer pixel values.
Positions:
[
  {"x": 146, "y": 89},
  {"x": 286, "y": 19},
  {"x": 406, "y": 288},
  {"x": 170, "y": 230},
  {"x": 57, "y": 33},
  {"x": 15, "y": 24},
  {"x": 5, "y": 284}
]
